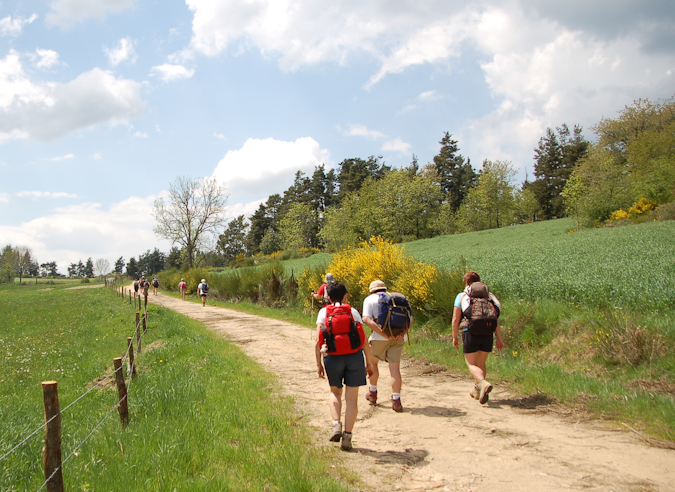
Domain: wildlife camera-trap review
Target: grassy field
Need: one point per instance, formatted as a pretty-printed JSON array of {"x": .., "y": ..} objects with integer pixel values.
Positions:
[
  {"x": 203, "y": 416},
  {"x": 632, "y": 266}
]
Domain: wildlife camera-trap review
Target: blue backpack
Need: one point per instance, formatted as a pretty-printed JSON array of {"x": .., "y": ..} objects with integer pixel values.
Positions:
[{"x": 393, "y": 313}]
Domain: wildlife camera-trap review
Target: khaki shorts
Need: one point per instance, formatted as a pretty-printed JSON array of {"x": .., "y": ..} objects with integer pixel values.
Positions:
[{"x": 387, "y": 350}]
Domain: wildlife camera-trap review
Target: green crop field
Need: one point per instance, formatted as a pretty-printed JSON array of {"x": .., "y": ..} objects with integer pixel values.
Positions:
[
  {"x": 202, "y": 415},
  {"x": 631, "y": 266}
]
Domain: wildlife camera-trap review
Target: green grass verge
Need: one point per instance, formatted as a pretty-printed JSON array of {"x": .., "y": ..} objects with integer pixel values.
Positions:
[{"x": 203, "y": 415}]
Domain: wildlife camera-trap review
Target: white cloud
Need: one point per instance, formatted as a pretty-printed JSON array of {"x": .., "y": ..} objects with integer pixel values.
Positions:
[
  {"x": 45, "y": 194},
  {"x": 263, "y": 167},
  {"x": 97, "y": 156},
  {"x": 429, "y": 96},
  {"x": 13, "y": 27},
  {"x": 4, "y": 197},
  {"x": 544, "y": 64},
  {"x": 359, "y": 130},
  {"x": 64, "y": 13},
  {"x": 85, "y": 230},
  {"x": 123, "y": 52},
  {"x": 46, "y": 111},
  {"x": 219, "y": 136},
  {"x": 396, "y": 145},
  {"x": 60, "y": 158},
  {"x": 168, "y": 72},
  {"x": 45, "y": 58},
  {"x": 141, "y": 135}
]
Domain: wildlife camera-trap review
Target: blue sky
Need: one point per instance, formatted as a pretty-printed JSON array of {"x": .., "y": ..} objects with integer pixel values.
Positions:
[{"x": 104, "y": 102}]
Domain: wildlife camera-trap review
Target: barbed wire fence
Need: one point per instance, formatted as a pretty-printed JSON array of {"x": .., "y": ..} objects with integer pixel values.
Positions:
[{"x": 53, "y": 463}]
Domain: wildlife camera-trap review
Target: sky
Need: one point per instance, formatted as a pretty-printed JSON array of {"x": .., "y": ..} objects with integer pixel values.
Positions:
[{"x": 103, "y": 103}]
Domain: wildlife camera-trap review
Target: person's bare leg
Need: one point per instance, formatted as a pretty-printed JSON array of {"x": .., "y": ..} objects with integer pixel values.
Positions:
[
  {"x": 335, "y": 402},
  {"x": 476, "y": 364},
  {"x": 351, "y": 407},
  {"x": 397, "y": 380}
]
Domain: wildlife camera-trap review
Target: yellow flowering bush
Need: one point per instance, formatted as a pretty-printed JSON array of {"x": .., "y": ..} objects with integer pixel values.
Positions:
[
  {"x": 640, "y": 207},
  {"x": 381, "y": 259}
]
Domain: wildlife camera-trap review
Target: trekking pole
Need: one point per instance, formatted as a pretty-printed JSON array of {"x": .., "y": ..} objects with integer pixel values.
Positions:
[{"x": 311, "y": 315}]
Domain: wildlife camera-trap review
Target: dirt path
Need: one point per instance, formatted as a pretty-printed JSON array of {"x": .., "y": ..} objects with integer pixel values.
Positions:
[{"x": 444, "y": 440}]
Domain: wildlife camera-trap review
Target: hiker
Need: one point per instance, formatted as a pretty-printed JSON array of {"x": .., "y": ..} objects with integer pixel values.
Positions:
[
  {"x": 203, "y": 291},
  {"x": 145, "y": 285},
  {"x": 476, "y": 312},
  {"x": 155, "y": 284},
  {"x": 343, "y": 342},
  {"x": 136, "y": 285},
  {"x": 322, "y": 294},
  {"x": 182, "y": 287},
  {"x": 384, "y": 347}
]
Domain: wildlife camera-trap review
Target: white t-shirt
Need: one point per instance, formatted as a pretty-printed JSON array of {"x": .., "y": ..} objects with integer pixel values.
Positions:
[
  {"x": 321, "y": 318},
  {"x": 370, "y": 310}
]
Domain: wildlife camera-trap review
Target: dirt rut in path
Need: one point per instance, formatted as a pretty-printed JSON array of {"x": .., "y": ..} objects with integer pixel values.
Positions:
[{"x": 445, "y": 440}]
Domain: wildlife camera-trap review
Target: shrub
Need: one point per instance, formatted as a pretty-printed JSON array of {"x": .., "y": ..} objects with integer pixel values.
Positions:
[
  {"x": 311, "y": 278},
  {"x": 666, "y": 211},
  {"x": 381, "y": 259},
  {"x": 622, "y": 341}
]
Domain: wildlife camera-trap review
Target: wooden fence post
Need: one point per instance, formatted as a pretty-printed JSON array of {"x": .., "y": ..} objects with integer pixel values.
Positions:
[
  {"x": 122, "y": 406},
  {"x": 146, "y": 302},
  {"x": 130, "y": 297},
  {"x": 138, "y": 332},
  {"x": 145, "y": 319},
  {"x": 51, "y": 452},
  {"x": 132, "y": 364}
]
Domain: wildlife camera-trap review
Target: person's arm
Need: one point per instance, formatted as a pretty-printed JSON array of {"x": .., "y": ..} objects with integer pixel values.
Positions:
[
  {"x": 498, "y": 334},
  {"x": 370, "y": 323},
  {"x": 369, "y": 358},
  {"x": 317, "y": 352},
  {"x": 456, "y": 318}
]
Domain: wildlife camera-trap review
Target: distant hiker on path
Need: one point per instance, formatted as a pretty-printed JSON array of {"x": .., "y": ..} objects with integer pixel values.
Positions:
[
  {"x": 155, "y": 284},
  {"x": 137, "y": 283},
  {"x": 343, "y": 342},
  {"x": 322, "y": 294},
  {"x": 145, "y": 285},
  {"x": 203, "y": 291},
  {"x": 183, "y": 288},
  {"x": 385, "y": 346},
  {"x": 476, "y": 311}
]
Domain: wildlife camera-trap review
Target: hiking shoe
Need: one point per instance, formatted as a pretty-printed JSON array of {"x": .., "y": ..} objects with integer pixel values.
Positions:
[
  {"x": 396, "y": 405},
  {"x": 475, "y": 392},
  {"x": 485, "y": 389},
  {"x": 371, "y": 396},
  {"x": 337, "y": 432},
  {"x": 347, "y": 441}
]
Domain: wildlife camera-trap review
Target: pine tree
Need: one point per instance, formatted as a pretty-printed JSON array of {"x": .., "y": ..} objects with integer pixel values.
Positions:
[{"x": 456, "y": 176}]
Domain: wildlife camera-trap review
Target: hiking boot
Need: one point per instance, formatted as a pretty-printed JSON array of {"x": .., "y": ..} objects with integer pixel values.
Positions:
[
  {"x": 347, "y": 441},
  {"x": 396, "y": 405},
  {"x": 485, "y": 389},
  {"x": 337, "y": 432},
  {"x": 371, "y": 396},
  {"x": 475, "y": 392}
]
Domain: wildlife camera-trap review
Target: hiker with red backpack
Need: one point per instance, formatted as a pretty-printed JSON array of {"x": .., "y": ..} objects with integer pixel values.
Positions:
[
  {"x": 322, "y": 293},
  {"x": 476, "y": 312},
  {"x": 342, "y": 342},
  {"x": 182, "y": 286},
  {"x": 388, "y": 314}
]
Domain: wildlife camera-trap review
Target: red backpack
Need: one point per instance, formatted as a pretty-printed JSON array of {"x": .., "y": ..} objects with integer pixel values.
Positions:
[{"x": 341, "y": 333}]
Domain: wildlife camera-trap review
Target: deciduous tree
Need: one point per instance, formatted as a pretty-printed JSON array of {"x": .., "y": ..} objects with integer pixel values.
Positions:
[{"x": 194, "y": 208}]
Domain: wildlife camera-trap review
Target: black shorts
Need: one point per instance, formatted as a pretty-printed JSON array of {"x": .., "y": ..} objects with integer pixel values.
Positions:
[
  {"x": 349, "y": 368},
  {"x": 474, "y": 343}
]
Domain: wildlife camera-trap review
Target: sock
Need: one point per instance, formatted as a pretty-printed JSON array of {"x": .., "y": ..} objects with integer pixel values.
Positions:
[
  {"x": 373, "y": 389},
  {"x": 337, "y": 422},
  {"x": 396, "y": 396}
]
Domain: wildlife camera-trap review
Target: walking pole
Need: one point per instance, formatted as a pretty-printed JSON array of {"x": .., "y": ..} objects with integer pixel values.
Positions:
[{"x": 311, "y": 315}]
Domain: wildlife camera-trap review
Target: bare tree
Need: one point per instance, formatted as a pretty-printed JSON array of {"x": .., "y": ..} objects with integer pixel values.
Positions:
[
  {"x": 101, "y": 267},
  {"x": 195, "y": 209}
]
